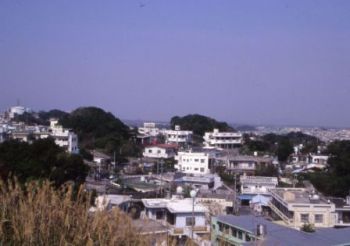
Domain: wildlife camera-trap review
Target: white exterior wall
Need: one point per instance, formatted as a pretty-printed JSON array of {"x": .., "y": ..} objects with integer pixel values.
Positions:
[
  {"x": 193, "y": 163},
  {"x": 222, "y": 139},
  {"x": 181, "y": 219},
  {"x": 64, "y": 138},
  {"x": 177, "y": 136},
  {"x": 19, "y": 110},
  {"x": 257, "y": 185},
  {"x": 158, "y": 152},
  {"x": 319, "y": 159}
]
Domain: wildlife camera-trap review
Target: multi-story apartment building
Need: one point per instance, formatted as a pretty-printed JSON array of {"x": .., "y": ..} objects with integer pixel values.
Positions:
[
  {"x": 192, "y": 162},
  {"x": 298, "y": 206},
  {"x": 64, "y": 138},
  {"x": 224, "y": 140},
  {"x": 178, "y": 136},
  {"x": 245, "y": 164}
]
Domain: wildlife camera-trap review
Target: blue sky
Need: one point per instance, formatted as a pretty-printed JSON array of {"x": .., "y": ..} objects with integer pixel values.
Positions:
[{"x": 259, "y": 62}]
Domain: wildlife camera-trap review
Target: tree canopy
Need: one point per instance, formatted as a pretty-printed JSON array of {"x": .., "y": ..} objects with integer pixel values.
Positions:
[
  {"x": 97, "y": 128},
  {"x": 335, "y": 182},
  {"x": 42, "y": 159},
  {"x": 199, "y": 124}
]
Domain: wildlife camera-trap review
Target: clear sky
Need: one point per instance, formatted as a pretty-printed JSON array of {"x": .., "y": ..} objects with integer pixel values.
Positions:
[{"x": 281, "y": 62}]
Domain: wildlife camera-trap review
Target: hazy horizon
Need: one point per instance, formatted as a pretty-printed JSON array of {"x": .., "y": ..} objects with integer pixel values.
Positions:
[{"x": 256, "y": 62}]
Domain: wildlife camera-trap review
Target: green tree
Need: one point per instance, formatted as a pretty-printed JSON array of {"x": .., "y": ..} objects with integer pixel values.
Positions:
[
  {"x": 199, "y": 124},
  {"x": 41, "y": 160}
]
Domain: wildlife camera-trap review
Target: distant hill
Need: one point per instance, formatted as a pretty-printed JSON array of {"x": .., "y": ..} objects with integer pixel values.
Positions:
[
  {"x": 199, "y": 124},
  {"x": 41, "y": 118},
  {"x": 97, "y": 128}
]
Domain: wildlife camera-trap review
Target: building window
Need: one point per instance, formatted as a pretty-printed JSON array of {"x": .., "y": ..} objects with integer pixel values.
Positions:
[
  {"x": 196, "y": 169},
  {"x": 234, "y": 232},
  {"x": 240, "y": 234},
  {"x": 158, "y": 151},
  {"x": 247, "y": 238},
  {"x": 221, "y": 226},
  {"x": 190, "y": 221},
  {"x": 202, "y": 169},
  {"x": 202, "y": 160},
  {"x": 149, "y": 151},
  {"x": 304, "y": 218},
  {"x": 159, "y": 215},
  {"x": 318, "y": 218},
  {"x": 196, "y": 160}
]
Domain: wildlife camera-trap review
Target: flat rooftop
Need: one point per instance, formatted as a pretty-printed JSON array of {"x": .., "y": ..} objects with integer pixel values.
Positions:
[
  {"x": 175, "y": 205},
  {"x": 298, "y": 195},
  {"x": 281, "y": 235}
]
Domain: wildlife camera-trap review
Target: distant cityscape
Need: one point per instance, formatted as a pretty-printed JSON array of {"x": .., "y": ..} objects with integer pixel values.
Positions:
[{"x": 202, "y": 180}]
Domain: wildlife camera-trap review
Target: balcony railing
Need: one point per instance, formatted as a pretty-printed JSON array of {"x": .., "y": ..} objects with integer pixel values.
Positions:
[{"x": 287, "y": 220}]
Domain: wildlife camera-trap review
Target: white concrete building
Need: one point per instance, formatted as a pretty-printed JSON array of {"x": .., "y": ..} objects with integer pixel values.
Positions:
[
  {"x": 177, "y": 214},
  {"x": 245, "y": 164},
  {"x": 160, "y": 151},
  {"x": 254, "y": 185},
  {"x": 198, "y": 163},
  {"x": 149, "y": 129},
  {"x": 319, "y": 159},
  {"x": 18, "y": 110},
  {"x": 64, "y": 138},
  {"x": 297, "y": 206},
  {"x": 224, "y": 140},
  {"x": 178, "y": 136}
]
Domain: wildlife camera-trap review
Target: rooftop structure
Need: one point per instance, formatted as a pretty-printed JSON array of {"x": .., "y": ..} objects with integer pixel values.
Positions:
[{"x": 257, "y": 184}]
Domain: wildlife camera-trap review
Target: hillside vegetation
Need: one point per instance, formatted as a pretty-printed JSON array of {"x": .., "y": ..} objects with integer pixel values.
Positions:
[{"x": 199, "y": 124}]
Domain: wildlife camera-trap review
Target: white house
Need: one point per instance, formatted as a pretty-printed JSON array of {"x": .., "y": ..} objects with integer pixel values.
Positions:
[
  {"x": 178, "y": 214},
  {"x": 245, "y": 164},
  {"x": 18, "y": 110},
  {"x": 160, "y": 151},
  {"x": 178, "y": 136},
  {"x": 64, "y": 137},
  {"x": 149, "y": 128},
  {"x": 297, "y": 206},
  {"x": 224, "y": 140},
  {"x": 199, "y": 163},
  {"x": 319, "y": 159}
]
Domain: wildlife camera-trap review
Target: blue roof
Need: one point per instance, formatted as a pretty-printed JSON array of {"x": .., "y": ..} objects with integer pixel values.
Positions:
[
  {"x": 282, "y": 235},
  {"x": 245, "y": 197}
]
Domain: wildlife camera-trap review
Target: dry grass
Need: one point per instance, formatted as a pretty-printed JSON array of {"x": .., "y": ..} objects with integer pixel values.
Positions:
[{"x": 39, "y": 214}]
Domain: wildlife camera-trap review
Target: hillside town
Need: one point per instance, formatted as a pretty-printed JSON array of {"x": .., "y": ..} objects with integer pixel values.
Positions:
[{"x": 208, "y": 189}]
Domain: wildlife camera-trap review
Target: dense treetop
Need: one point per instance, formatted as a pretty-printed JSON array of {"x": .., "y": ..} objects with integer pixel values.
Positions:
[
  {"x": 199, "y": 124},
  {"x": 42, "y": 159},
  {"x": 335, "y": 182},
  {"x": 97, "y": 128}
]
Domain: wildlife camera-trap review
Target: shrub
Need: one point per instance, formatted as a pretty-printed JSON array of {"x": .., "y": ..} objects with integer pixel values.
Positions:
[
  {"x": 308, "y": 228},
  {"x": 39, "y": 214}
]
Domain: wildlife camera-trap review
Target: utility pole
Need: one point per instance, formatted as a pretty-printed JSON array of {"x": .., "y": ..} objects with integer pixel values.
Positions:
[{"x": 161, "y": 176}]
